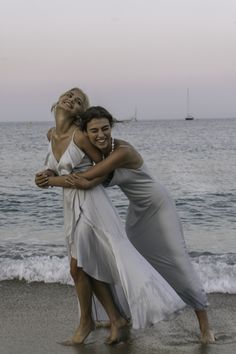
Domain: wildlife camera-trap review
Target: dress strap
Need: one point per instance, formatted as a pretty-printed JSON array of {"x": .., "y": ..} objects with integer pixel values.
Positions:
[{"x": 72, "y": 136}]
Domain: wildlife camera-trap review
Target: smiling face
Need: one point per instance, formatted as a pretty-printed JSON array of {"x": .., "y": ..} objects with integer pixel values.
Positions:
[
  {"x": 72, "y": 101},
  {"x": 99, "y": 133}
]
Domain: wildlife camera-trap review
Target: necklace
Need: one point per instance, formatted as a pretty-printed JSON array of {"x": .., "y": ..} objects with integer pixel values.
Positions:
[
  {"x": 112, "y": 145},
  {"x": 112, "y": 148}
]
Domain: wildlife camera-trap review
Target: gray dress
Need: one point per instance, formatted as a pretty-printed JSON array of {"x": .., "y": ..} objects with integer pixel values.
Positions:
[{"x": 154, "y": 228}]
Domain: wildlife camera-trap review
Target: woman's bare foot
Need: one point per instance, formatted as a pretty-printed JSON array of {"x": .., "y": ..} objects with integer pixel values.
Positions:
[
  {"x": 81, "y": 334},
  {"x": 207, "y": 337},
  {"x": 83, "y": 331},
  {"x": 119, "y": 332}
]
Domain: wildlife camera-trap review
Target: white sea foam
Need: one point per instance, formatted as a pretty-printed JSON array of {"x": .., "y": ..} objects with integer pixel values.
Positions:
[
  {"x": 217, "y": 273},
  {"x": 45, "y": 268}
]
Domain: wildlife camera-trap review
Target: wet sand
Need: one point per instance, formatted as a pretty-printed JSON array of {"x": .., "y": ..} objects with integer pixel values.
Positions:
[{"x": 35, "y": 316}]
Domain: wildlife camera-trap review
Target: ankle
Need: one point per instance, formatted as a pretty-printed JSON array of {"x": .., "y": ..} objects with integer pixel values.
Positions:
[
  {"x": 118, "y": 320},
  {"x": 85, "y": 321}
]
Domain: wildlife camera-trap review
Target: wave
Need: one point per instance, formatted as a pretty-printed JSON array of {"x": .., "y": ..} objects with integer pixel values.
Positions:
[
  {"x": 47, "y": 269},
  {"x": 217, "y": 272}
]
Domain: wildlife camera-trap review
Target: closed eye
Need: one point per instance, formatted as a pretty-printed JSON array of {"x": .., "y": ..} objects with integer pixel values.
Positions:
[{"x": 78, "y": 101}]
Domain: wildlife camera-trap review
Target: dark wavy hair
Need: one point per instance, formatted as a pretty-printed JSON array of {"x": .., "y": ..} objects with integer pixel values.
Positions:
[{"x": 95, "y": 112}]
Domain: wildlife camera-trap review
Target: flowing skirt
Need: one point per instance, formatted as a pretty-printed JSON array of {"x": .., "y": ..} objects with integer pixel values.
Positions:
[{"x": 97, "y": 239}]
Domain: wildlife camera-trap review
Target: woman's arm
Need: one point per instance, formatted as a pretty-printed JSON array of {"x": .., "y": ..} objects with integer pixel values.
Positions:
[
  {"x": 121, "y": 157},
  {"x": 57, "y": 181},
  {"x": 67, "y": 181},
  {"x": 84, "y": 144},
  {"x": 43, "y": 180},
  {"x": 95, "y": 175},
  {"x": 76, "y": 181},
  {"x": 41, "y": 177}
]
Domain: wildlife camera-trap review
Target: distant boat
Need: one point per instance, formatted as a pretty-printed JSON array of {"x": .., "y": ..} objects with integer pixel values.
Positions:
[
  {"x": 134, "y": 118},
  {"x": 188, "y": 116},
  {"x": 131, "y": 119}
]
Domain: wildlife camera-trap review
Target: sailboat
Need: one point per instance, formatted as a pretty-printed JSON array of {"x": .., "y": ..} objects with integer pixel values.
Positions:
[
  {"x": 188, "y": 116},
  {"x": 134, "y": 118}
]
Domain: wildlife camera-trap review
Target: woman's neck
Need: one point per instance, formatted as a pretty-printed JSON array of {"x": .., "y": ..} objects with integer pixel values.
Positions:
[{"x": 64, "y": 122}]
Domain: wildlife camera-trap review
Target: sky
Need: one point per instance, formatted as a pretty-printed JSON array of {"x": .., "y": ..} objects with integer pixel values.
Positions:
[{"x": 126, "y": 55}]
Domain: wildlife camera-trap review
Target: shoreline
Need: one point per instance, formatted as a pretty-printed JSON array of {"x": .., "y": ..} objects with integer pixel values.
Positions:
[{"x": 35, "y": 316}]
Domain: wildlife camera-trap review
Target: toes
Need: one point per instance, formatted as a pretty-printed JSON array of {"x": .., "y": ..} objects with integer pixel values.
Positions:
[
  {"x": 113, "y": 341},
  {"x": 123, "y": 337}
]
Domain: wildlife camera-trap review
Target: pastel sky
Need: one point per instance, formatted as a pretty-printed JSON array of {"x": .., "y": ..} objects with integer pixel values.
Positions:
[{"x": 122, "y": 53}]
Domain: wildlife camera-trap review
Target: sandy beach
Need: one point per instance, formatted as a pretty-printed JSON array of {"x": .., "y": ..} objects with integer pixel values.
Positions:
[{"x": 35, "y": 316}]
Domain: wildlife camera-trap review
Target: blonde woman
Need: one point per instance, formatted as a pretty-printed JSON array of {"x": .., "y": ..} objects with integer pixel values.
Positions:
[{"x": 102, "y": 259}]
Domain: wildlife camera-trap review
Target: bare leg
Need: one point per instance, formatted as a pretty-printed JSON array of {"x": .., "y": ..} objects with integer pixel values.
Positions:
[
  {"x": 84, "y": 292},
  {"x": 207, "y": 335},
  {"x": 117, "y": 322},
  {"x": 85, "y": 285}
]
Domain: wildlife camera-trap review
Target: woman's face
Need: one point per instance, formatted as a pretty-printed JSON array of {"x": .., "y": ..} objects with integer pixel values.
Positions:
[
  {"x": 99, "y": 133},
  {"x": 72, "y": 101}
]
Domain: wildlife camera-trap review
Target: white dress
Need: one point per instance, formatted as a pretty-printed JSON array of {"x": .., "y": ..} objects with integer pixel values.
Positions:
[{"x": 96, "y": 238}]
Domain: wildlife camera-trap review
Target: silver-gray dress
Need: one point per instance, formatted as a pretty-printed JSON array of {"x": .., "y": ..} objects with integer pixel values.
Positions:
[{"x": 154, "y": 228}]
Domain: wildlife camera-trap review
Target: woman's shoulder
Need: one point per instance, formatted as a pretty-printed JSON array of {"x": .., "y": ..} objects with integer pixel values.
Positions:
[
  {"x": 131, "y": 157},
  {"x": 123, "y": 144},
  {"x": 50, "y": 133},
  {"x": 78, "y": 135},
  {"x": 80, "y": 139}
]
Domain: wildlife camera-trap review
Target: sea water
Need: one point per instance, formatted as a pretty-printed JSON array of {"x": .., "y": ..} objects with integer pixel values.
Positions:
[{"x": 195, "y": 160}]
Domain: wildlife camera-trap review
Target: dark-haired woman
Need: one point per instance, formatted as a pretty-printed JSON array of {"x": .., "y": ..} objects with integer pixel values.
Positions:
[{"x": 152, "y": 223}]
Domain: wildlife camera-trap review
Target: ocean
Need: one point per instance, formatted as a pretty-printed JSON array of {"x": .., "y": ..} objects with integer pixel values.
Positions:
[{"x": 195, "y": 160}]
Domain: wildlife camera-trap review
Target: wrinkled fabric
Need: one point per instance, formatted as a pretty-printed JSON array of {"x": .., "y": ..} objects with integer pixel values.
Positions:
[
  {"x": 96, "y": 238},
  {"x": 155, "y": 230}
]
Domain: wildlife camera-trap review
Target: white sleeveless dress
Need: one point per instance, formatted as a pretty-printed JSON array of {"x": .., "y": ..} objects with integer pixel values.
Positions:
[
  {"x": 154, "y": 228},
  {"x": 96, "y": 238}
]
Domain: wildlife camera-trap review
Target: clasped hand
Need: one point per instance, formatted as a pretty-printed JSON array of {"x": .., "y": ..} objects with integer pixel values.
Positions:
[{"x": 41, "y": 178}]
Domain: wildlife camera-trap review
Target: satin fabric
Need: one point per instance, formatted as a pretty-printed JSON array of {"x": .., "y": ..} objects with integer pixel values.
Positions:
[{"x": 154, "y": 228}]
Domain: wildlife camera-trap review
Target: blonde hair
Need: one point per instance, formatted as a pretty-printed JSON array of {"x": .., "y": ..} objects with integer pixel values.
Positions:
[{"x": 86, "y": 103}]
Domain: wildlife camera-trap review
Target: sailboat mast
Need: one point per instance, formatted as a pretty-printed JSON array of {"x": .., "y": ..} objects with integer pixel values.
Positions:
[
  {"x": 135, "y": 113},
  {"x": 188, "y": 117},
  {"x": 187, "y": 102}
]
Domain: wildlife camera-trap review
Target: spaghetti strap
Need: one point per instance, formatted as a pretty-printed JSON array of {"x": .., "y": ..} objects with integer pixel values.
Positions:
[{"x": 73, "y": 134}]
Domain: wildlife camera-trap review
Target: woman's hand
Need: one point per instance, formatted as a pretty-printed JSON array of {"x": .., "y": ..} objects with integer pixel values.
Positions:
[
  {"x": 79, "y": 182},
  {"x": 41, "y": 178}
]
